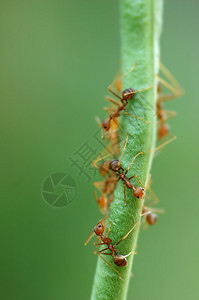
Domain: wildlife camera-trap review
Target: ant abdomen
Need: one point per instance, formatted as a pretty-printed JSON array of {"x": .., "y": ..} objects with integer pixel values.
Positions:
[
  {"x": 128, "y": 94},
  {"x": 151, "y": 218},
  {"x": 120, "y": 260},
  {"x": 115, "y": 165}
]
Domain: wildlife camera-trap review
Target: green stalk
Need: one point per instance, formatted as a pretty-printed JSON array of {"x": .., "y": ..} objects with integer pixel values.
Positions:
[{"x": 140, "y": 32}]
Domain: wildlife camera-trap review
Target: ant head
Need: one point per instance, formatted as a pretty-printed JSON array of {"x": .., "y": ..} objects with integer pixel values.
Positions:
[
  {"x": 120, "y": 260},
  {"x": 106, "y": 124},
  {"x": 99, "y": 228},
  {"x": 139, "y": 192},
  {"x": 151, "y": 218},
  {"x": 128, "y": 94},
  {"x": 115, "y": 165}
]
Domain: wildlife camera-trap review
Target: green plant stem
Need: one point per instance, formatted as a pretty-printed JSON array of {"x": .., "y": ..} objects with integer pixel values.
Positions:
[{"x": 140, "y": 32}]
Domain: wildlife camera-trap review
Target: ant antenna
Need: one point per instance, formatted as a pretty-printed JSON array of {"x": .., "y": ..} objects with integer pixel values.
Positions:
[
  {"x": 124, "y": 148},
  {"x": 91, "y": 234},
  {"x": 147, "y": 122},
  {"x": 133, "y": 161},
  {"x": 163, "y": 144},
  {"x": 169, "y": 86},
  {"x": 109, "y": 87}
]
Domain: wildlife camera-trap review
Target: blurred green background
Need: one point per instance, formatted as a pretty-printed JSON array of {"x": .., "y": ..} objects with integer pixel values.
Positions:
[{"x": 57, "y": 58}]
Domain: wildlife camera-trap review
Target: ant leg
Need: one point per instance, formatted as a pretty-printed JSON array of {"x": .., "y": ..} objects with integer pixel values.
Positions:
[
  {"x": 133, "y": 161},
  {"x": 131, "y": 230},
  {"x": 110, "y": 264},
  {"x": 101, "y": 202},
  {"x": 109, "y": 109},
  {"x": 145, "y": 213},
  {"x": 100, "y": 125},
  {"x": 111, "y": 91},
  {"x": 102, "y": 249},
  {"x": 132, "y": 252},
  {"x": 144, "y": 224},
  {"x": 112, "y": 100},
  {"x": 126, "y": 234},
  {"x": 170, "y": 114},
  {"x": 99, "y": 185},
  {"x": 153, "y": 195},
  {"x": 118, "y": 85},
  {"x": 176, "y": 92},
  {"x": 147, "y": 122},
  {"x": 109, "y": 229},
  {"x": 96, "y": 241},
  {"x": 137, "y": 180},
  {"x": 124, "y": 193},
  {"x": 101, "y": 158},
  {"x": 100, "y": 244},
  {"x": 96, "y": 198},
  {"x": 170, "y": 77},
  {"x": 155, "y": 210},
  {"x": 163, "y": 144},
  {"x": 108, "y": 155},
  {"x": 167, "y": 97},
  {"x": 124, "y": 148}
]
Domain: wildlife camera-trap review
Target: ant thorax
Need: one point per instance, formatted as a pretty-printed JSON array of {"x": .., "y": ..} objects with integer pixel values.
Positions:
[{"x": 106, "y": 240}]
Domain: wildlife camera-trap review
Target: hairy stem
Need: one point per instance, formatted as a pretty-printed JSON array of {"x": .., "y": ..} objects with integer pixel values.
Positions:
[{"x": 140, "y": 31}]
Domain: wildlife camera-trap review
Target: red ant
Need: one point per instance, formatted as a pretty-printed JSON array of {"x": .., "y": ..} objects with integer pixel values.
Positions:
[
  {"x": 106, "y": 187},
  {"x": 127, "y": 94},
  {"x": 112, "y": 135},
  {"x": 115, "y": 166},
  {"x": 164, "y": 115},
  {"x": 151, "y": 217},
  {"x": 112, "y": 132},
  {"x": 150, "y": 214},
  {"x": 119, "y": 259}
]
